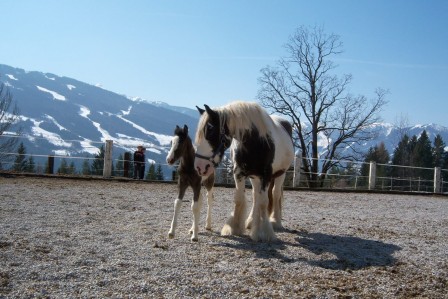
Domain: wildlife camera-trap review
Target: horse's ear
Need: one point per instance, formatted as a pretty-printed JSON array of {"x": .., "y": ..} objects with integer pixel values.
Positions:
[
  {"x": 201, "y": 111},
  {"x": 209, "y": 110},
  {"x": 185, "y": 129}
]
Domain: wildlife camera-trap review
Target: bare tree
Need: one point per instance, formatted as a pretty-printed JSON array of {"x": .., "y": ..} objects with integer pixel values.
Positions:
[
  {"x": 327, "y": 120},
  {"x": 9, "y": 114}
]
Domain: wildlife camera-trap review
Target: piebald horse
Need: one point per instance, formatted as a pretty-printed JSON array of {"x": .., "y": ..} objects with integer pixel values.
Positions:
[
  {"x": 182, "y": 149},
  {"x": 262, "y": 150}
]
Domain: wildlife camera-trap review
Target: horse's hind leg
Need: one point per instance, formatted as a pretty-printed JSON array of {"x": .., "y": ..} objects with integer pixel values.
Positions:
[
  {"x": 277, "y": 199},
  {"x": 208, "y": 219},
  {"x": 177, "y": 205}
]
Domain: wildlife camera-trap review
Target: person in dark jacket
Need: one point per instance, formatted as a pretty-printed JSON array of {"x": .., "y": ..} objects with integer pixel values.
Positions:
[{"x": 139, "y": 163}]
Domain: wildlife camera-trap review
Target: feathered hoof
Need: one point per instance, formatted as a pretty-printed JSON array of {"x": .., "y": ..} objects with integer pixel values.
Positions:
[
  {"x": 264, "y": 238},
  {"x": 276, "y": 225},
  {"x": 264, "y": 233},
  {"x": 226, "y": 230}
]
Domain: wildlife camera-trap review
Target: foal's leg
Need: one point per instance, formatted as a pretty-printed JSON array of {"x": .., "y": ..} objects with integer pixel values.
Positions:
[
  {"x": 261, "y": 229},
  {"x": 208, "y": 183},
  {"x": 177, "y": 205},
  {"x": 196, "y": 208},
  {"x": 277, "y": 195},
  {"x": 235, "y": 224}
]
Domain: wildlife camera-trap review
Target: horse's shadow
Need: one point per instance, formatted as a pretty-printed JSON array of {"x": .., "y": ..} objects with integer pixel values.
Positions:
[
  {"x": 331, "y": 251},
  {"x": 346, "y": 252}
]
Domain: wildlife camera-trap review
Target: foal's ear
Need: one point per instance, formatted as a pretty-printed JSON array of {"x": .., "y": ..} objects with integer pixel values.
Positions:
[
  {"x": 185, "y": 129},
  {"x": 201, "y": 111}
]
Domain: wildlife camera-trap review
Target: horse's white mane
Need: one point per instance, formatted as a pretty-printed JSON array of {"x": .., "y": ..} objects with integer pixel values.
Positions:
[{"x": 240, "y": 117}]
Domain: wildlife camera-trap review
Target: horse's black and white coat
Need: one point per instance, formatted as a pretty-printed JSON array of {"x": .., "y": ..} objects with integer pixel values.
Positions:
[
  {"x": 182, "y": 149},
  {"x": 261, "y": 149}
]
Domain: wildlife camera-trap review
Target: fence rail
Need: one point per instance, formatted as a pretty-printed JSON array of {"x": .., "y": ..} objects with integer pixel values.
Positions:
[{"x": 295, "y": 177}]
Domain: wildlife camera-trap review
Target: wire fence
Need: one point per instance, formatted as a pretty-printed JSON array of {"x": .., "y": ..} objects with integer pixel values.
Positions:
[{"x": 390, "y": 178}]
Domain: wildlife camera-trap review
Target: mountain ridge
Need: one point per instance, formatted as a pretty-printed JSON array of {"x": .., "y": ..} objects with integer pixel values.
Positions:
[{"x": 67, "y": 117}]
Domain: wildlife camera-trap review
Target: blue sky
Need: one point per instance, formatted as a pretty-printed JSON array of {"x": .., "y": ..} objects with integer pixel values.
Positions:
[{"x": 188, "y": 53}]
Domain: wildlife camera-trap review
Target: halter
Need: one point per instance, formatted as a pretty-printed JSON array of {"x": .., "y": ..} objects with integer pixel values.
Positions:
[{"x": 223, "y": 138}]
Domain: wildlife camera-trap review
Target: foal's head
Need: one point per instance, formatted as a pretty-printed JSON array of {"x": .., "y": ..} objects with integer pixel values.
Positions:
[
  {"x": 178, "y": 144},
  {"x": 212, "y": 139}
]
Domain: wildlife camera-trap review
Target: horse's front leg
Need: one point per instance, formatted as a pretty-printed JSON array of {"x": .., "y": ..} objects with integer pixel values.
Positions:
[
  {"x": 235, "y": 223},
  {"x": 261, "y": 228},
  {"x": 196, "y": 209},
  {"x": 251, "y": 217},
  {"x": 177, "y": 205},
  {"x": 208, "y": 219}
]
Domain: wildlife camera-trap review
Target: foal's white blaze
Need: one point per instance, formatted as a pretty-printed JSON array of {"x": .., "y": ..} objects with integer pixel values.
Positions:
[
  {"x": 203, "y": 166},
  {"x": 174, "y": 146}
]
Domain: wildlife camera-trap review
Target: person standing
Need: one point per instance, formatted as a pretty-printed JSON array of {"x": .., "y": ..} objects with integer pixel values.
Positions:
[{"x": 139, "y": 163}]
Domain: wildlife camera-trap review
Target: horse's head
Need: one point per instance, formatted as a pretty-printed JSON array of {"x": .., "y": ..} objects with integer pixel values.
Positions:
[
  {"x": 177, "y": 144},
  {"x": 212, "y": 139}
]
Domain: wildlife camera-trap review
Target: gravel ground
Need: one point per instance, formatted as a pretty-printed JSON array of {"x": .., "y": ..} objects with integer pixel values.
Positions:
[{"x": 65, "y": 238}]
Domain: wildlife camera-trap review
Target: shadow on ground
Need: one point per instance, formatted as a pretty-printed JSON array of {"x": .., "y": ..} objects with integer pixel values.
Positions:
[
  {"x": 328, "y": 251},
  {"x": 346, "y": 252}
]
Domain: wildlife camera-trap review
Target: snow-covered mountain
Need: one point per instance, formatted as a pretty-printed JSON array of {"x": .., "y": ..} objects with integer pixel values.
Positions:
[
  {"x": 63, "y": 116},
  {"x": 66, "y": 117},
  {"x": 391, "y": 135}
]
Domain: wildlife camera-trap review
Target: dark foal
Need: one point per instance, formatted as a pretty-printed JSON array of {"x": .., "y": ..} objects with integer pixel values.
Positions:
[{"x": 182, "y": 149}]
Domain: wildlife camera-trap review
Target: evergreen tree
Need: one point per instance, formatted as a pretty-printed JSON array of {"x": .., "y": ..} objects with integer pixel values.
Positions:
[
  {"x": 119, "y": 166},
  {"x": 63, "y": 167},
  {"x": 224, "y": 173},
  {"x": 72, "y": 168},
  {"x": 85, "y": 167},
  {"x": 438, "y": 151},
  {"x": 445, "y": 166},
  {"x": 31, "y": 168},
  {"x": 151, "y": 175},
  {"x": 129, "y": 162},
  {"x": 20, "y": 163},
  {"x": 98, "y": 163},
  {"x": 402, "y": 157},
  {"x": 159, "y": 173},
  {"x": 422, "y": 156},
  {"x": 380, "y": 155}
]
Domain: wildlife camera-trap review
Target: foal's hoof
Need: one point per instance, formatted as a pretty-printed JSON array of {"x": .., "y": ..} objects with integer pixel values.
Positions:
[
  {"x": 194, "y": 239},
  {"x": 171, "y": 235}
]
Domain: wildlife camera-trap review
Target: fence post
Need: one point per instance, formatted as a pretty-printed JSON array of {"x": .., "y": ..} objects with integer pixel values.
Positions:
[
  {"x": 297, "y": 166},
  {"x": 50, "y": 166},
  {"x": 372, "y": 175},
  {"x": 107, "y": 170},
  {"x": 437, "y": 179}
]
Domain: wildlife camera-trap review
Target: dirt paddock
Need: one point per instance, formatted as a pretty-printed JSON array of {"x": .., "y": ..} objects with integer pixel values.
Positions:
[{"x": 62, "y": 238}]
